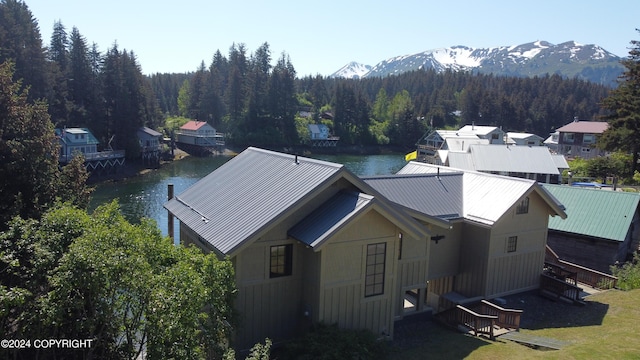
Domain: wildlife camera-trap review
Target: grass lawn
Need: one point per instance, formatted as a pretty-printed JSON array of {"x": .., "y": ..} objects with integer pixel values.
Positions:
[{"x": 605, "y": 328}]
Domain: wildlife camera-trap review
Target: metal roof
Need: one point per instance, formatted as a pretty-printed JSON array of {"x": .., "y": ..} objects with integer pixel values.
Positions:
[
  {"x": 503, "y": 158},
  {"x": 149, "y": 131},
  {"x": 430, "y": 194},
  {"x": 248, "y": 195},
  {"x": 318, "y": 226},
  {"x": 596, "y": 213},
  {"x": 245, "y": 195},
  {"x": 560, "y": 161},
  {"x": 62, "y": 134},
  {"x": 463, "y": 143},
  {"x": 585, "y": 127},
  {"x": 518, "y": 135},
  {"x": 193, "y": 125},
  {"x": 479, "y": 190},
  {"x": 481, "y": 130},
  {"x": 416, "y": 167}
]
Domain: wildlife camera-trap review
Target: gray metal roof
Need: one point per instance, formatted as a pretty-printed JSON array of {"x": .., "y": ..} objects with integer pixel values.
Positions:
[
  {"x": 244, "y": 196},
  {"x": 485, "y": 197},
  {"x": 314, "y": 229},
  {"x": 430, "y": 194},
  {"x": 149, "y": 131},
  {"x": 560, "y": 161},
  {"x": 248, "y": 195},
  {"x": 502, "y": 158}
]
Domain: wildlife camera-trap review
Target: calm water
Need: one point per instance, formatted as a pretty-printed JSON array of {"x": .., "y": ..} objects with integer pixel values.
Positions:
[{"x": 143, "y": 196}]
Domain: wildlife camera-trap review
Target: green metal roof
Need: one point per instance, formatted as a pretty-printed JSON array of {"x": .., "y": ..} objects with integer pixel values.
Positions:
[{"x": 598, "y": 213}]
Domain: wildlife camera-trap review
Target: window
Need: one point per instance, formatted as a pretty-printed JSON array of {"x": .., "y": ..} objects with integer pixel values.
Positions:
[
  {"x": 588, "y": 139},
  {"x": 568, "y": 137},
  {"x": 523, "y": 207},
  {"x": 400, "y": 246},
  {"x": 280, "y": 261},
  {"x": 374, "y": 276},
  {"x": 512, "y": 243}
]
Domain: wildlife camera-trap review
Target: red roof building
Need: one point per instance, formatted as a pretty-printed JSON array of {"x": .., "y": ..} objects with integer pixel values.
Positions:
[{"x": 578, "y": 139}]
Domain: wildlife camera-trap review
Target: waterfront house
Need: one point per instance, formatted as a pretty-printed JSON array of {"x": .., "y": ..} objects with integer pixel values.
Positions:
[
  {"x": 602, "y": 229},
  {"x": 150, "y": 144},
  {"x": 198, "y": 137},
  {"x": 431, "y": 147},
  {"x": 309, "y": 240},
  {"x": 320, "y": 136},
  {"x": 76, "y": 141},
  {"x": 81, "y": 141},
  {"x": 312, "y": 242},
  {"x": 318, "y": 131},
  {"x": 493, "y": 239},
  {"x": 578, "y": 139},
  {"x": 528, "y": 162}
]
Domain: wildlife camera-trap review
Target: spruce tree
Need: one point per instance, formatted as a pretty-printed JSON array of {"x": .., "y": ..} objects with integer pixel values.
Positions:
[
  {"x": 28, "y": 152},
  {"x": 623, "y": 103}
]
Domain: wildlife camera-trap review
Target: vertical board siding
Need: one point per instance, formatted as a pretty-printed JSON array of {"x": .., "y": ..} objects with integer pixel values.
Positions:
[
  {"x": 267, "y": 308},
  {"x": 513, "y": 273}
]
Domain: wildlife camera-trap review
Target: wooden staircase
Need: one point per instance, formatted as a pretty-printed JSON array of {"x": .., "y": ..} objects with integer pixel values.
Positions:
[{"x": 485, "y": 319}]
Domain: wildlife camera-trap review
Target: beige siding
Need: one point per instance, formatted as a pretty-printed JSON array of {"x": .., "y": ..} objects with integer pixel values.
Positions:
[
  {"x": 511, "y": 272},
  {"x": 343, "y": 261},
  {"x": 444, "y": 257},
  {"x": 268, "y": 307},
  {"x": 474, "y": 252}
]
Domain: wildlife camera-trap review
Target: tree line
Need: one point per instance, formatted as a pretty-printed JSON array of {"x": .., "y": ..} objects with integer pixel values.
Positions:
[
  {"x": 256, "y": 103},
  {"x": 394, "y": 110}
]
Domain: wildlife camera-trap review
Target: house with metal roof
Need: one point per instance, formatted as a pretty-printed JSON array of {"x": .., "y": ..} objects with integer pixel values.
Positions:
[
  {"x": 523, "y": 139},
  {"x": 602, "y": 227},
  {"x": 529, "y": 162},
  {"x": 150, "y": 145},
  {"x": 75, "y": 141},
  {"x": 198, "y": 138},
  {"x": 578, "y": 138},
  {"x": 491, "y": 235},
  {"x": 320, "y": 136},
  {"x": 310, "y": 242},
  {"x": 433, "y": 147}
]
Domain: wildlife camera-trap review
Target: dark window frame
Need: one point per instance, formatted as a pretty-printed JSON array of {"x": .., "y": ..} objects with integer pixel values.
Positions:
[
  {"x": 512, "y": 244},
  {"x": 523, "y": 206},
  {"x": 280, "y": 261},
  {"x": 375, "y": 267}
]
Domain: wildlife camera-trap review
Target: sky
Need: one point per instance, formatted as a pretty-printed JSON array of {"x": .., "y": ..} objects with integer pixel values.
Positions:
[{"x": 320, "y": 37}]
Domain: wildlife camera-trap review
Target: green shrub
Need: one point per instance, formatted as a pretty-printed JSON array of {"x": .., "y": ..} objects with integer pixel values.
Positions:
[
  {"x": 628, "y": 274},
  {"x": 328, "y": 342}
]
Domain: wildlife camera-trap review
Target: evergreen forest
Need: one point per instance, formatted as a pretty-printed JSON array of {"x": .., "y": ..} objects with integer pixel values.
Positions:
[{"x": 255, "y": 97}]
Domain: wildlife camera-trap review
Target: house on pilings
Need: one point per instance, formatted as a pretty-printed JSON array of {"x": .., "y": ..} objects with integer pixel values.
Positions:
[{"x": 75, "y": 141}]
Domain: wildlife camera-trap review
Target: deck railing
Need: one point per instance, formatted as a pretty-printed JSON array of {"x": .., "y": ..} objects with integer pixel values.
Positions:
[
  {"x": 507, "y": 318},
  {"x": 100, "y": 155},
  {"x": 478, "y": 323},
  {"x": 591, "y": 277},
  {"x": 585, "y": 275},
  {"x": 559, "y": 288}
]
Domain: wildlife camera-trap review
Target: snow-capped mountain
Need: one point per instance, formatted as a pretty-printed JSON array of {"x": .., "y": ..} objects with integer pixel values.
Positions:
[
  {"x": 353, "y": 70},
  {"x": 569, "y": 59}
]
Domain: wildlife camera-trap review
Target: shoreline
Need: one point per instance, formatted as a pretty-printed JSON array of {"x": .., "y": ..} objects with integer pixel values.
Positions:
[{"x": 135, "y": 169}]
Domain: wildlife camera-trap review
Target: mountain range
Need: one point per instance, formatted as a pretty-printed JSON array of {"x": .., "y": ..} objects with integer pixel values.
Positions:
[{"x": 569, "y": 59}]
